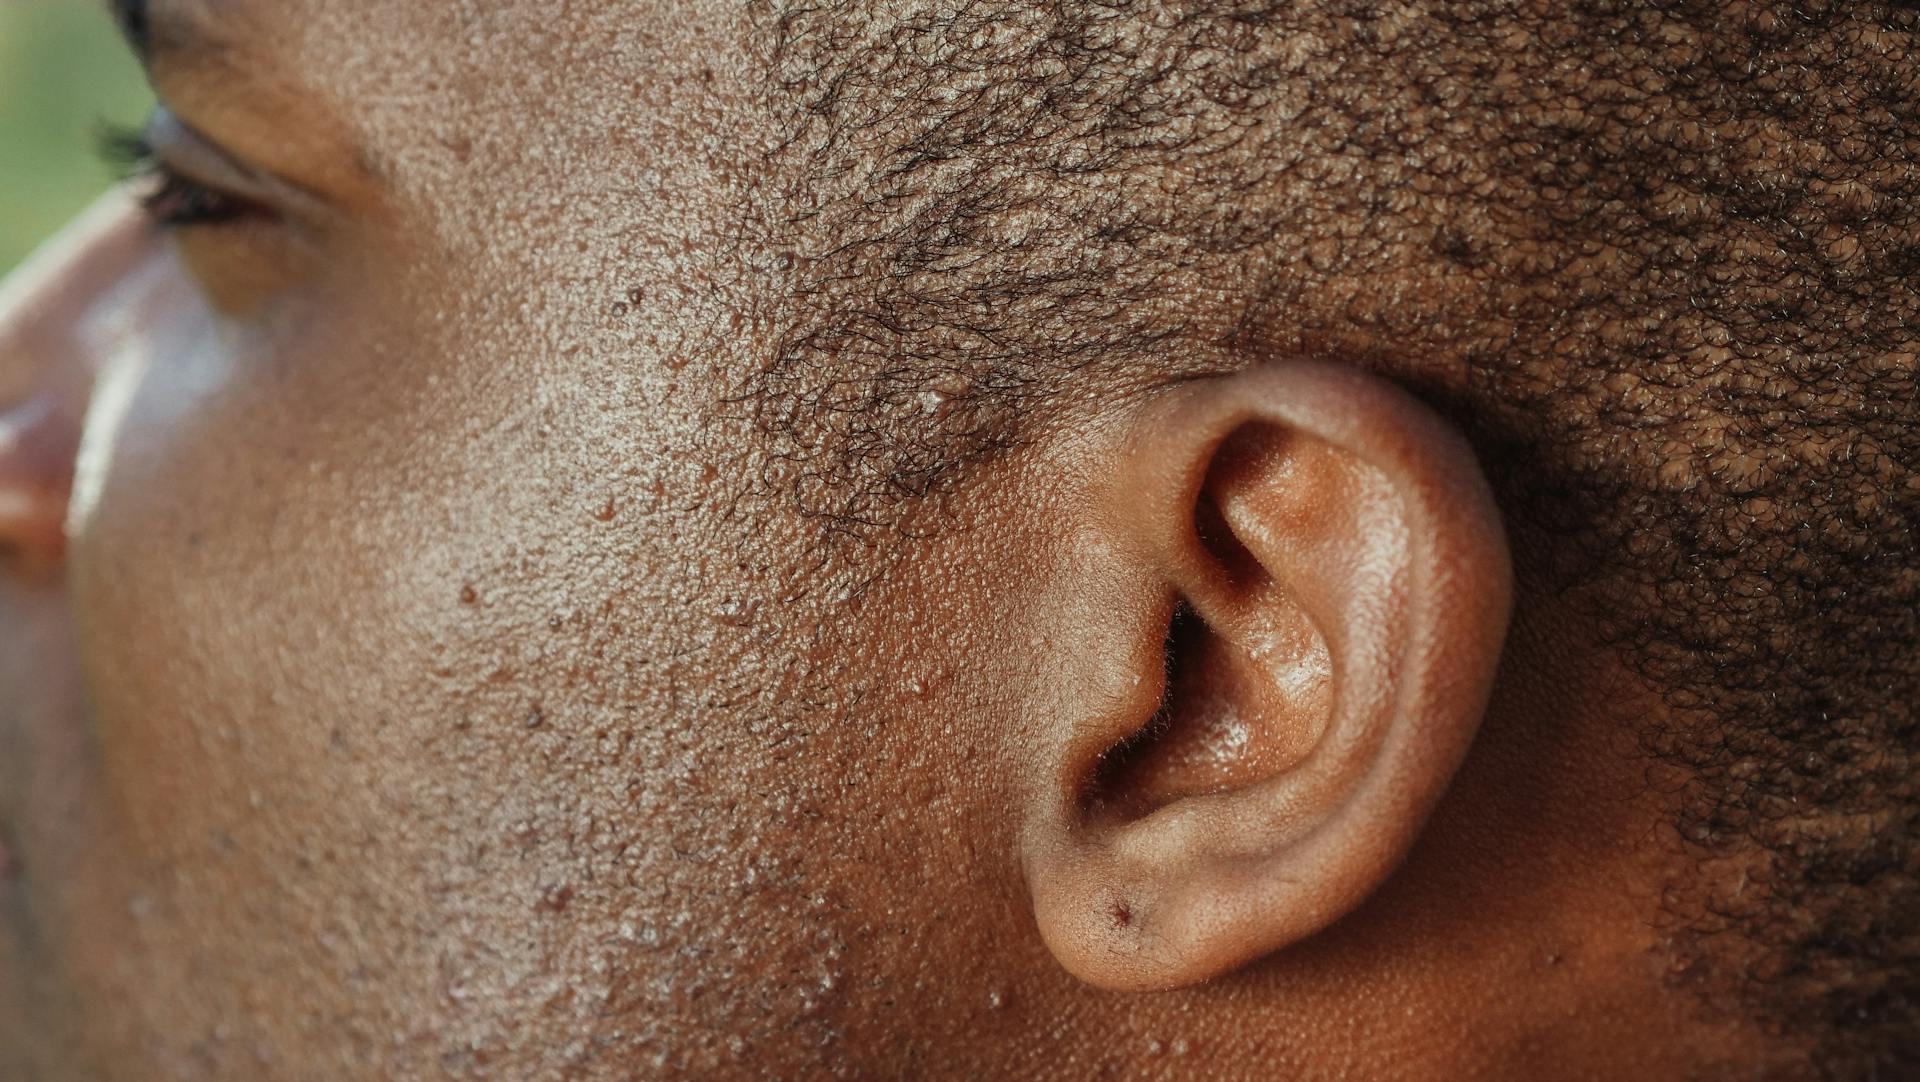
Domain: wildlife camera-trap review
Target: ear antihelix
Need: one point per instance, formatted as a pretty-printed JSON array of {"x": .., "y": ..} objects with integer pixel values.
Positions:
[{"x": 1317, "y": 521}]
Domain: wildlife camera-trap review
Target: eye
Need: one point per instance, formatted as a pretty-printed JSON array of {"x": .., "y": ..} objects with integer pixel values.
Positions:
[{"x": 173, "y": 199}]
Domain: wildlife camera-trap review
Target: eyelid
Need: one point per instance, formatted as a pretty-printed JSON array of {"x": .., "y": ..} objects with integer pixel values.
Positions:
[{"x": 190, "y": 154}]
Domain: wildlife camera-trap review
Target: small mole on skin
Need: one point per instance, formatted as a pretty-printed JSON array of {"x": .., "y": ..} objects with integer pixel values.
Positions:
[
  {"x": 536, "y": 716},
  {"x": 1121, "y": 913},
  {"x": 469, "y": 595}
]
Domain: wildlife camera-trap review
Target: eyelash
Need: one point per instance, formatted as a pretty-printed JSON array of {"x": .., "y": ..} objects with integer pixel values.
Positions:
[{"x": 172, "y": 200}]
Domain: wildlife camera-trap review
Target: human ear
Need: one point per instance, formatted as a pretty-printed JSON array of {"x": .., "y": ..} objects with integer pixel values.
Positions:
[{"x": 1307, "y": 587}]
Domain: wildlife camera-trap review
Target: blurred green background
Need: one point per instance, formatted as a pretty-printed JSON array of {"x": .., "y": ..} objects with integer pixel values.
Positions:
[{"x": 63, "y": 74}]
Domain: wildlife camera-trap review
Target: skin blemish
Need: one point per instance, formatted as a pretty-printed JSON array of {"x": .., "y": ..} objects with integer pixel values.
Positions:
[
  {"x": 556, "y": 899},
  {"x": 1120, "y": 913}
]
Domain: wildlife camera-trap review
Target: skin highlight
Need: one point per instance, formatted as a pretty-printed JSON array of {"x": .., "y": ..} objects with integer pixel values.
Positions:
[{"x": 607, "y": 590}]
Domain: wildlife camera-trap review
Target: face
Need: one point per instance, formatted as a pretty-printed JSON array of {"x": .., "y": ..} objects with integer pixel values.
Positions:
[
  {"x": 434, "y": 642},
  {"x": 435, "y": 666}
]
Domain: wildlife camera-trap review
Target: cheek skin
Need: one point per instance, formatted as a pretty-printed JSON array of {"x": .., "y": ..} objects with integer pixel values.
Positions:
[
  {"x": 353, "y": 680},
  {"x": 428, "y": 742}
]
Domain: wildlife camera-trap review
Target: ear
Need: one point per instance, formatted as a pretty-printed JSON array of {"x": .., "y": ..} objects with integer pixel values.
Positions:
[{"x": 1312, "y": 587}]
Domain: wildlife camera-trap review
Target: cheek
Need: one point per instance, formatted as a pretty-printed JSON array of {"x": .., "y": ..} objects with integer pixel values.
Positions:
[
  {"x": 214, "y": 564},
  {"x": 289, "y": 552},
  {"x": 360, "y": 644},
  {"x": 445, "y": 690}
]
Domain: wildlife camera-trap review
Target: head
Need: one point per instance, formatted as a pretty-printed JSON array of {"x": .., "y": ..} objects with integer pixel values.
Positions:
[{"x": 1222, "y": 539}]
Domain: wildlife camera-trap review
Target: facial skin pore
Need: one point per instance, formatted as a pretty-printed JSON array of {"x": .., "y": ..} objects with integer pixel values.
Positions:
[{"x": 582, "y": 580}]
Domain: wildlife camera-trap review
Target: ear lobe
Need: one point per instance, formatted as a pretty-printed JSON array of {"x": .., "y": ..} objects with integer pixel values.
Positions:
[{"x": 1336, "y": 588}]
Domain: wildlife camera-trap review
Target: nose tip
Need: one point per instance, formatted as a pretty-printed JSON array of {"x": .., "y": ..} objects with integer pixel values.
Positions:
[{"x": 38, "y": 440}]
